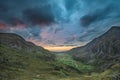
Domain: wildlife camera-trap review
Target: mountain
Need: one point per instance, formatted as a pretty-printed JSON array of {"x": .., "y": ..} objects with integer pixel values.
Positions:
[
  {"x": 103, "y": 51},
  {"x": 15, "y": 41},
  {"x": 22, "y": 60}
]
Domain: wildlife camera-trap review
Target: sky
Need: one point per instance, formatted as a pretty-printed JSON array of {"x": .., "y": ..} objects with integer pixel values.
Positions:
[{"x": 59, "y": 24}]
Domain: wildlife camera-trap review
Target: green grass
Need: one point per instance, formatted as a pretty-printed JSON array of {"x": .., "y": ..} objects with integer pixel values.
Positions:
[
  {"x": 68, "y": 60},
  {"x": 21, "y": 65}
]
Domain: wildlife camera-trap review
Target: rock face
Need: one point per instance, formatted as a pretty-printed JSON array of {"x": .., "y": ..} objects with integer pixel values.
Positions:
[{"x": 103, "y": 50}]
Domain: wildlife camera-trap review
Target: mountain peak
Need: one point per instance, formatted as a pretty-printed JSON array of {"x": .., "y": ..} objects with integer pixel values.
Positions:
[{"x": 115, "y": 28}]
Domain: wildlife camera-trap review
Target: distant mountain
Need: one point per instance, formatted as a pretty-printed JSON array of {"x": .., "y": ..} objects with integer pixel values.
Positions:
[{"x": 103, "y": 51}]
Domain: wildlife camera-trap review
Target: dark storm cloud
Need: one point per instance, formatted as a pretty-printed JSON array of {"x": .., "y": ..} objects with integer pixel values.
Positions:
[
  {"x": 70, "y": 4},
  {"x": 9, "y": 11},
  {"x": 36, "y": 12},
  {"x": 3, "y": 8},
  {"x": 28, "y": 18},
  {"x": 97, "y": 15},
  {"x": 14, "y": 21},
  {"x": 39, "y": 16}
]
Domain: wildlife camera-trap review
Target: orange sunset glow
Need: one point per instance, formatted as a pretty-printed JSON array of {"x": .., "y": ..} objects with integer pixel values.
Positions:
[
  {"x": 59, "y": 48},
  {"x": 53, "y": 48}
]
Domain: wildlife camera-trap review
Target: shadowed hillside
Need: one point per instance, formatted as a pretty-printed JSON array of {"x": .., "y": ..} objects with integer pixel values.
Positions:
[
  {"x": 103, "y": 52},
  {"x": 106, "y": 47}
]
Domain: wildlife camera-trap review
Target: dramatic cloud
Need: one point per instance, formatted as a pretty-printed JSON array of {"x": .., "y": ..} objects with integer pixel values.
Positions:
[
  {"x": 3, "y": 26},
  {"x": 59, "y": 22},
  {"x": 99, "y": 14},
  {"x": 40, "y": 16}
]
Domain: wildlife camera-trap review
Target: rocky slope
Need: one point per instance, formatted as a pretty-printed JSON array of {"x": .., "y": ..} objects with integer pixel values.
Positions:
[{"x": 103, "y": 51}]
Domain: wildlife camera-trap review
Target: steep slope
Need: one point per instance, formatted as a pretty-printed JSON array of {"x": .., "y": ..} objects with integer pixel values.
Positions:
[
  {"x": 102, "y": 51},
  {"x": 22, "y": 60},
  {"x": 15, "y": 41},
  {"x": 20, "y": 65}
]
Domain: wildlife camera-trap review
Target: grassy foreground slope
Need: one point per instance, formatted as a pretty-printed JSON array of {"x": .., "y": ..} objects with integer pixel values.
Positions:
[
  {"x": 88, "y": 72},
  {"x": 20, "y": 65}
]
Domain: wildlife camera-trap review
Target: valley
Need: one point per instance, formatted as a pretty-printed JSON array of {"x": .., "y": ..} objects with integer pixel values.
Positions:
[{"x": 98, "y": 60}]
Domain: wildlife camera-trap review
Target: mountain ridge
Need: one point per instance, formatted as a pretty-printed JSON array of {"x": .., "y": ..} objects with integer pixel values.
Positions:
[
  {"x": 15, "y": 41},
  {"x": 104, "y": 49}
]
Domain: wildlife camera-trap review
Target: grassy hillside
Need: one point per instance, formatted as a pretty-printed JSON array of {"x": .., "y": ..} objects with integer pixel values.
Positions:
[
  {"x": 88, "y": 72},
  {"x": 21, "y": 65},
  {"x": 79, "y": 66}
]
